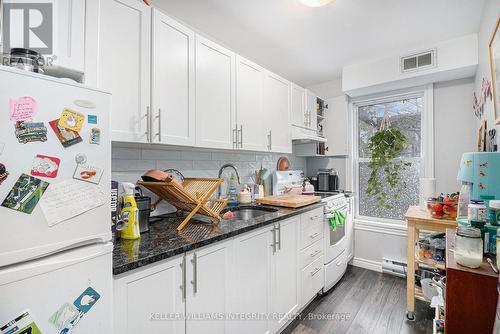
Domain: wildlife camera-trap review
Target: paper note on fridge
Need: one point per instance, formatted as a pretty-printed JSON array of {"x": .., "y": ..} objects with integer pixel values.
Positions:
[{"x": 70, "y": 198}]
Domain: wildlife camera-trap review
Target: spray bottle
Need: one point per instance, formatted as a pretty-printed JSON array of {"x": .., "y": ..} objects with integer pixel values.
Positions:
[{"x": 129, "y": 213}]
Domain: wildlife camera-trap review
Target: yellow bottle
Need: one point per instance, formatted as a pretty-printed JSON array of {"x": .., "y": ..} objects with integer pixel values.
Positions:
[{"x": 129, "y": 213}]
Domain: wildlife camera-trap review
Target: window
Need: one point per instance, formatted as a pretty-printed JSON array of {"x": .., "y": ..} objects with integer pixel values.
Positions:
[{"x": 406, "y": 115}]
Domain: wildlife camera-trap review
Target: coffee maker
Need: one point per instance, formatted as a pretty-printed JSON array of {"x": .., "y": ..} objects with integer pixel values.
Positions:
[
  {"x": 481, "y": 170},
  {"x": 328, "y": 180}
]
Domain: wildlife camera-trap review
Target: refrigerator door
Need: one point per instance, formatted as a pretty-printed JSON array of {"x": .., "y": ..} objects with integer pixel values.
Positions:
[
  {"x": 53, "y": 284},
  {"x": 27, "y": 236}
]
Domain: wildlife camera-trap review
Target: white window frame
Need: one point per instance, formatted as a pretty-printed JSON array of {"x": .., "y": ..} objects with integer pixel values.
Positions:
[{"x": 427, "y": 148}]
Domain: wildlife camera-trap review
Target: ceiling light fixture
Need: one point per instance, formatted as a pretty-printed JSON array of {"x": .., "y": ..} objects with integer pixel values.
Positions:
[{"x": 315, "y": 3}]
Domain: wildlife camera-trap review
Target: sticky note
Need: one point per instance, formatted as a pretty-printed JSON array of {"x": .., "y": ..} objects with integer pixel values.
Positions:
[{"x": 22, "y": 109}]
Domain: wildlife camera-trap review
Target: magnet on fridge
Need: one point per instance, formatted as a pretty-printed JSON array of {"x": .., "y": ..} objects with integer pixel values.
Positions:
[
  {"x": 22, "y": 324},
  {"x": 22, "y": 109},
  {"x": 25, "y": 194},
  {"x": 80, "y": 158},
  {"x": 92, "y": 119},
  {"x": 27, "y": 132},
  {"x": 66, "y": 137},
  {"x": 3, "y": 173},
  {"x": 88, "y": 173},
  {"x": 71, "y": 120},
  {"x": 45, "y": 166},
  {"x": 95, "y": 136},
  {"x": 64, "y": 317},
  {"x": 86, "y": 300},
  {"x": 85, "y": 104}
]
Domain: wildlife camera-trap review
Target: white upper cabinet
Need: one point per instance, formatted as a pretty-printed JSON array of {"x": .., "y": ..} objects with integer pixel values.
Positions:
[
  {"x": 311, "y": 110},
  {"x": 215, "y": 95},
  {"x": 336, "y": 126},
  {"x": 297, "y": 105},
  {"x": 277, "y": 111},
  {"x": 124, "y": 66},
  {"x": 251, "y": 119},
  {"x": 173, "y": 79}
]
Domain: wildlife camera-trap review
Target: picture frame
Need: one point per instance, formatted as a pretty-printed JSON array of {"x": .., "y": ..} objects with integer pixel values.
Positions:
[{"x": 494, "y": 57}]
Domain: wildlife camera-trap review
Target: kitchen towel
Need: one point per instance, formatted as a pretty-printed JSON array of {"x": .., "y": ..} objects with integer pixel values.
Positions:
[{"x": 337, "y": 219}]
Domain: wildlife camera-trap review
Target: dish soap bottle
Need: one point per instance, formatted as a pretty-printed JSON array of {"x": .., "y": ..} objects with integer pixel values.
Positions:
[
  {"x": 232, "y": 192},
  {"x": 129, "y": 213}
]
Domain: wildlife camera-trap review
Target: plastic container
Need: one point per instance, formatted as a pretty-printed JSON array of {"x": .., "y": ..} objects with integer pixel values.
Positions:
[
  {"x": 487, "y": 199},
  {"x": 464, "y": 199},
  {"x": 468, "y": 247},
  {"x": 446, "y": 209},
  {"x": 477, "y": 211},
  {"x": 428, "y": 288},
  {"x": 494, "y": 212},
  {"x": 490, "y": 240}
]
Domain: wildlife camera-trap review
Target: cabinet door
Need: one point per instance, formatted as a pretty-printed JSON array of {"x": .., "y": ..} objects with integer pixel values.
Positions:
[
  {"x": 208, "y": 277},
  {"x": 298, "y": 105},
  {"x": 143, "y": 298},
  {"x": 285, "y": 290},
  {"x": 215, "y": 95},
  {"x": 277, "y": 109},
  {"x": 251, "y": 277},
  {"x": 311, "y": 110},
  {"x": 336, "y": 126},
  {"x": 253, "y": 124},
  {"x": 173, "y": 82},
  {"x": 123, "y": 66},
  {"x": 69, "y": 41}
]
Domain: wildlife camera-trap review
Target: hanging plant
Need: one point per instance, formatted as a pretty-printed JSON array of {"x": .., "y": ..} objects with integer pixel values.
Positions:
[{"x": 386, "y": 147}]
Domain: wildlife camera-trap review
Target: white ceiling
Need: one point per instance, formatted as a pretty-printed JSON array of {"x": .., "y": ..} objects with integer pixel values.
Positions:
[{"x": 311, "y": 45}]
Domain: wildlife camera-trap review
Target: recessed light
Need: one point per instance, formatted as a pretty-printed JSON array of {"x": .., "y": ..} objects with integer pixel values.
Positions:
[{"x": 315, "y": 3}]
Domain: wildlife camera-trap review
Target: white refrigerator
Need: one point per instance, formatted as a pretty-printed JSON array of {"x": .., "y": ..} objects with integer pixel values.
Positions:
[{"x": 55, "y": 228}]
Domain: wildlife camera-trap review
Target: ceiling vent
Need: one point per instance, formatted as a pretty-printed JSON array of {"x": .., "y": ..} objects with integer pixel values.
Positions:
[{"x": 419, "y": 61}]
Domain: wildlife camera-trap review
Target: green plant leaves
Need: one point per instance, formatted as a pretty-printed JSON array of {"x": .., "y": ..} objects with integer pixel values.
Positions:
[{"x": 386, "y": 147}]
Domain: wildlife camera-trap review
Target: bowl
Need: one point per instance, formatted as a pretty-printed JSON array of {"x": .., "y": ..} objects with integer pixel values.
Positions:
[{"x": 443, "y": 208}]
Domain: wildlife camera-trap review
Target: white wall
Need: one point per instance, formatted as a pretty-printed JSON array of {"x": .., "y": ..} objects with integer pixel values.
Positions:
[
  {"x": 491, "y": 12},
  {"x": 329, "y": 89},
  {"x": 130, "y": 161},
  {"x": 454, "y": 130}
]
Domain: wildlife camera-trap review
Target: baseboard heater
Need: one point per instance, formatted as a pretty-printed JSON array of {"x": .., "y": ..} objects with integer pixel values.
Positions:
[{"x": 394, "y": 267}]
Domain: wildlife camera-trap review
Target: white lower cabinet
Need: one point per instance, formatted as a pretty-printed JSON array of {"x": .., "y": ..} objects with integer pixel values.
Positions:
[
  {"x": 285, "y": 290},
  {"x": 208, "y": 289},
  {"x": 251, "y": 277},
  {"x": 144, "y": 298}
]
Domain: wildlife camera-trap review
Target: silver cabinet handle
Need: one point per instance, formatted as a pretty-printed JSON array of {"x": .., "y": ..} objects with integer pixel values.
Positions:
[
  {"x": 312, "y": 236},
  {"x": 241, "y": 136},
  {"x": 314, "y": 217},
  {"x": 194, "y": 281},
  {"x": 315, "y": 253},
  {"x": 183, "y": 284},
  {"x": 273, "y": 245},
  {"x": 148, "y": 124},
  {"x": 235, "y": 137},
  {"x": 158, "y": 117},
  {"x": 269, "y": 141},
  {"x": 279, "y": 236},
  {"x": 315, "y": 271}
]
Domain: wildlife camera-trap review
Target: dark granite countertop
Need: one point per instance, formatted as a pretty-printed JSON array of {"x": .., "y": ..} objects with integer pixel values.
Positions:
[{"x": 163, "y": 241}]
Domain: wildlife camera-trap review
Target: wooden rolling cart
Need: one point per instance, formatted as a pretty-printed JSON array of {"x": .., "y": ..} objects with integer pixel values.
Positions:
[
  {"x": 192, "y": 196},
  {"x": 419, "y": 219}
]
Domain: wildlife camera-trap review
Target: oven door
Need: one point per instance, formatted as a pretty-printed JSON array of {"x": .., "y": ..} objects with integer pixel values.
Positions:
[{"x": 335, "y": 241}]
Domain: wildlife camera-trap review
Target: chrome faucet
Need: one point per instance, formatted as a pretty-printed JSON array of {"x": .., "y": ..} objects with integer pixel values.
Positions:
[{"x": 220, "y": 174}]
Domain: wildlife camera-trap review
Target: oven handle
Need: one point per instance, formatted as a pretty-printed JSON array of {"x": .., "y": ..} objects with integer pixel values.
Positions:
[{"x": 330, "y": 215}]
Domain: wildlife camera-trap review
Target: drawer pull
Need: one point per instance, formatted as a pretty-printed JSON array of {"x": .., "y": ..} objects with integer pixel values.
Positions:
[
  {"x": 315, "y": 271},
  {"x": 314, "y": 217},
  {"x": 312, "y": 236},
  {"x": 315, "y": 253}
]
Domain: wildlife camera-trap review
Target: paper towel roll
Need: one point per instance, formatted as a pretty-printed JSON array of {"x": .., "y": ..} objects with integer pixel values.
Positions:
[{"x": 427, "y": 189}]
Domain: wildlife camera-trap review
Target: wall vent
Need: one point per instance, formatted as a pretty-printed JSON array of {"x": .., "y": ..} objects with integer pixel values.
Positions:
[{"x": 418, "y": 61}]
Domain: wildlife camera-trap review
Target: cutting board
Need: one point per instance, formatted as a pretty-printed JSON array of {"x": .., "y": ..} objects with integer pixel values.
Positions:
[{"x": 289, "y": 200}]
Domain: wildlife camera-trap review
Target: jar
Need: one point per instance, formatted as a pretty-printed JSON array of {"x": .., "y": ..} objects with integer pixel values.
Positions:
[
  {"x": 477, "y": 211},
  {"x": 494, "y": 212},
  {"x": 468, "y": 247}
]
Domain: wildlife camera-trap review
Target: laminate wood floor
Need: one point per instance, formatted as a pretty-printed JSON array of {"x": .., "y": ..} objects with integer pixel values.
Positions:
[{"x": 363, "y": 301}]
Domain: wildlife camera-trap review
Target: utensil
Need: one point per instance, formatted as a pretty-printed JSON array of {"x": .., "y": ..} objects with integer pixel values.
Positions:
[
  {"x": 492, "y": 142},
  {"x": 492, "y": 265}
]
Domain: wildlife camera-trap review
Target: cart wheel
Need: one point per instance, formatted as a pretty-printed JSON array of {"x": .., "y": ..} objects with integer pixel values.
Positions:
[{"x": 410, "y": 316}]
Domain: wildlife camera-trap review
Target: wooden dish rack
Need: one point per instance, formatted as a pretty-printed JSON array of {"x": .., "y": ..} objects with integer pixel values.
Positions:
[{"x": 191, "y": 196}]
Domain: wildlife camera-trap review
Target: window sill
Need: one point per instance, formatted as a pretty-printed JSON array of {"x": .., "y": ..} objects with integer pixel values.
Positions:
[{"x": 392, "y": 227}]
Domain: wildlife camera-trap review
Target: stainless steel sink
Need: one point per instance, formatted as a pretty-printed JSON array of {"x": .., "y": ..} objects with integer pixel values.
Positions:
[{"x": 249, "y": 212}]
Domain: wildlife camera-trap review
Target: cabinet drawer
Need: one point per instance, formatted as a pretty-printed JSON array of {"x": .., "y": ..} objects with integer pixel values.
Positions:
[
  {"x": 311, "y": 235},
  {"x": 311, "y": 253},
  {"x": 312, "y": 278},
  {"x": 310, "y": 218}
]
